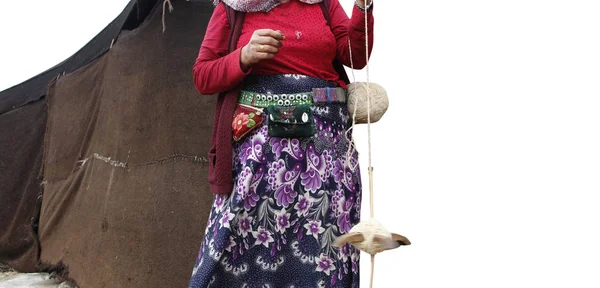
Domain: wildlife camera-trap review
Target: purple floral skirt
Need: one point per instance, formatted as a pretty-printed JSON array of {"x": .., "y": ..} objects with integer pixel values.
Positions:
[{"x": 291, "y": 198}]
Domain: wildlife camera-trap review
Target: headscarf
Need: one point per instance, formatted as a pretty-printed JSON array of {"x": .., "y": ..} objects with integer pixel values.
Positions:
[{"x": 257, "y": 5}]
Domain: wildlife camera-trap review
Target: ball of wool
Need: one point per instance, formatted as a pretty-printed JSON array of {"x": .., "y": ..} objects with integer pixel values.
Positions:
[{"x": 357, "y": 93}]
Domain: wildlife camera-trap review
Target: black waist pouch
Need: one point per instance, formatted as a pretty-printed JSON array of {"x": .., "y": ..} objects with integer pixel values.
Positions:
[{"x": 291, "y": 121}]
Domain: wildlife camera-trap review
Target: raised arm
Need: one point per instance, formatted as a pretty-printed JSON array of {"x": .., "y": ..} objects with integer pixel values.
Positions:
[{"x": 354, "y": 28}]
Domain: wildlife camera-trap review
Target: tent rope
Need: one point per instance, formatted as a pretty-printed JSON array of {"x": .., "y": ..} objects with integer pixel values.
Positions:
[{"x": 165, "y": 11}]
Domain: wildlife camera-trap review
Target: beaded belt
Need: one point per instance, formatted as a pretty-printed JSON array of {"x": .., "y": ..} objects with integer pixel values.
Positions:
[{"x": 318, "y": 95}]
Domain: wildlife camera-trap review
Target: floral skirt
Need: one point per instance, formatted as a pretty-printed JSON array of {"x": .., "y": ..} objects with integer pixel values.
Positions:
[{"x": 291, "y": 198}]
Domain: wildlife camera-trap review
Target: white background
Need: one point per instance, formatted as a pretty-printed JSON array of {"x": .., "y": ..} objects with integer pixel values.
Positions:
[{"x": 488, "y": 158}]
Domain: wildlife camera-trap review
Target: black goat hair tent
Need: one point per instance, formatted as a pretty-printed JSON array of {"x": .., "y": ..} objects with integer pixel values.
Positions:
[{"x": 103, "y": 156}]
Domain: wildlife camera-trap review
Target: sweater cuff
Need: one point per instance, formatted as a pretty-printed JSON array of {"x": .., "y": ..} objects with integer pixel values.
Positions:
[
  {"x": 368, "y": 6},
  {"x": 235, "y": 67},
  {"x": 358, "y": 18},
  {"x": 221, "y": 189}
]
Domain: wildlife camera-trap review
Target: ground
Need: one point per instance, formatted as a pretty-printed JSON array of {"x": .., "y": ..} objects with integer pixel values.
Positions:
[{"x": 12, "y": 279}]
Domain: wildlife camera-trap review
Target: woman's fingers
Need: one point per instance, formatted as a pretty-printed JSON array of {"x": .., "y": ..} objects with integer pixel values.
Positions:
[
  {"x": 267, "y": 40},
  {"x": 260, "y": 48},
  {"x": 263, "y": 45},
  {"x": 265, "y": 56},
  {"x": 271, "y": 33}
]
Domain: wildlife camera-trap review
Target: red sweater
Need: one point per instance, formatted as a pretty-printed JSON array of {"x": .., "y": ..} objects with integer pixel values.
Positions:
[{"x": 309, "y": 49}]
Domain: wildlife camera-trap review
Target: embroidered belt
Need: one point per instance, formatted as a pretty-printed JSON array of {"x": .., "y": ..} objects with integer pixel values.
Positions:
[{"x": 318, "y": 95}]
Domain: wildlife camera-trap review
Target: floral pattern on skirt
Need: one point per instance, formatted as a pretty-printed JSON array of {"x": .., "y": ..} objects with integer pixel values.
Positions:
[{"x": 292, "y": 197}]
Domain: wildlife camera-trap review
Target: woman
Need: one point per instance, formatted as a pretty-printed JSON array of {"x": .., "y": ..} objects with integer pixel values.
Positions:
[{"x": 292, "y": 190}]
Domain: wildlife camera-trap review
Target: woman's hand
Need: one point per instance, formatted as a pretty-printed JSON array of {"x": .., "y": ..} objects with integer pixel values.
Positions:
[
  {"x": 361, "y": 3},
  {"x": 264, "y": 44}
]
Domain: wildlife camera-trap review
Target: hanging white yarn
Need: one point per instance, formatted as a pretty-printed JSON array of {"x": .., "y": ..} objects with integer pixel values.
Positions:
[
  {"x": 357, "y": 95},
  {"x": 368, "y": 235}
]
